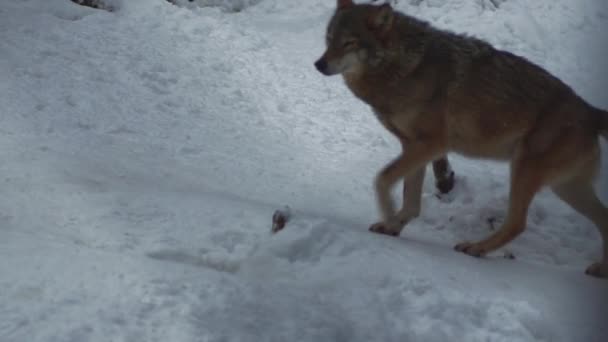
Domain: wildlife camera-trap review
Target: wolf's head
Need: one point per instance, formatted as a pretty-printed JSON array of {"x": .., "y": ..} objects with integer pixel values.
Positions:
[{"x": 356, "y": 37}]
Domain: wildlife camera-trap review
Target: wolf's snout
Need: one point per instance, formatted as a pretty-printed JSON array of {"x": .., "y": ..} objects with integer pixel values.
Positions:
[{"x": 321, "y": 65}]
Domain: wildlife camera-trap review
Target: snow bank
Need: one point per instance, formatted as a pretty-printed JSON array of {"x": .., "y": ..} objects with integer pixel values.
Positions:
[{"x": 227, "y": 5}]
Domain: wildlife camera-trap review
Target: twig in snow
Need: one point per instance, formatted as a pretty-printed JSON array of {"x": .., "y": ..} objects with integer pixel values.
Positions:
[{"x": 280, "y": 218}]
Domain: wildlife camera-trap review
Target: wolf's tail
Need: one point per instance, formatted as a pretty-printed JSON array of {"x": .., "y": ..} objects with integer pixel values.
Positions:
[{"x": 603, "y": 122}]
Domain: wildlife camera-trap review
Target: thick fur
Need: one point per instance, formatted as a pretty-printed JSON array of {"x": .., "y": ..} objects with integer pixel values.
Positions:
[{"x": 441, "y": 92}]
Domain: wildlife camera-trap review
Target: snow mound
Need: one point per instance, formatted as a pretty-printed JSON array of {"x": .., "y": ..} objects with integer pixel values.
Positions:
[{"x": 226, "y": 5}]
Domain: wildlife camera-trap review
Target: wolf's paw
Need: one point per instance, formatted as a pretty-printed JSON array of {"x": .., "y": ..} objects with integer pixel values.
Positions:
[
  {"x": 598, "y": 270},
  {"x": 446, "y": 184},
  {"x": 472, "y": 249},
  {"x": 386, "y": 229}
]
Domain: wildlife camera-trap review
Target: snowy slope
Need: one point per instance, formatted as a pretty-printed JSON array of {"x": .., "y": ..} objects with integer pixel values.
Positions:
[{"x": 144, "y": 151}]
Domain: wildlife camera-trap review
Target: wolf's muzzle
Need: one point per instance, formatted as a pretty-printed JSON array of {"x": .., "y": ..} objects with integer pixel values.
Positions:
[{"x": 321, "y": 65}]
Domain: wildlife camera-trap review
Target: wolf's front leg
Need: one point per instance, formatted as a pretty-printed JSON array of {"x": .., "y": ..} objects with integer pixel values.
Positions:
[
  {"x": 412, "y": 166},
  {"x": 412, "y": 194},
  {"x": 444, "y": 175}
]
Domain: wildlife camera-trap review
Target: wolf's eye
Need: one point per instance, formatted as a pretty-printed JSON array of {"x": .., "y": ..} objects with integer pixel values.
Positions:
[{"x": 349, "y": 44}]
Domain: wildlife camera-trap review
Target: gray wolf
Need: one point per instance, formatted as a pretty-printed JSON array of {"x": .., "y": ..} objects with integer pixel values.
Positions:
[{"x": 441, "y": 92}]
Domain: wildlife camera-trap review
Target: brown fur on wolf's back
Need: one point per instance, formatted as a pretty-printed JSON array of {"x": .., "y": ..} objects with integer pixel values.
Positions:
[
  {"x": 441, "y": 92},
  {"x": 466, "y": 77}
]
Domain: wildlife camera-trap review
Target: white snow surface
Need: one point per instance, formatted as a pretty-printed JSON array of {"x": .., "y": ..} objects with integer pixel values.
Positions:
[{"x": 144, "y": 150}]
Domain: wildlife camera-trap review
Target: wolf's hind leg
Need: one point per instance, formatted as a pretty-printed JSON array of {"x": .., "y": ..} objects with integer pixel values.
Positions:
[
  {"x": 579, "y": 194},
  {"x": 526, "y": 180}
]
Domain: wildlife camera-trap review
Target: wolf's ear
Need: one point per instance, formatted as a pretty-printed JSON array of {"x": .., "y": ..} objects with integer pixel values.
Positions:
[
  {"x": 381, "y": 19},
  {"x": 344, "y": 3}
]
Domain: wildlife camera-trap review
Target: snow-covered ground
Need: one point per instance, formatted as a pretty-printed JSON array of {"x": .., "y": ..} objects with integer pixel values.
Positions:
[{"x": 143, "y": 152}]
